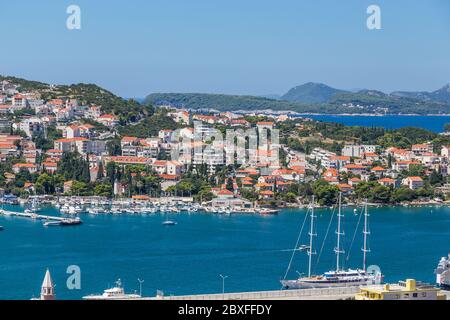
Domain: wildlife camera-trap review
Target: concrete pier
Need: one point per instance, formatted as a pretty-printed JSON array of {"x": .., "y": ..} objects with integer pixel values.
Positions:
[
  {"x": 302, "y": 294},
  {"x": 31, "y": 215}
]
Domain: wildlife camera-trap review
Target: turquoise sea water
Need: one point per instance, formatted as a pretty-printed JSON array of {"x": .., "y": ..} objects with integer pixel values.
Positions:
[
  {"x": 432, "y": 123},
  {"x": 253, "y": 251}
]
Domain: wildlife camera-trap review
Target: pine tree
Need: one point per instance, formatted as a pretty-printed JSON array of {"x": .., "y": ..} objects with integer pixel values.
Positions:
[
  {"x": 100, "y": 171},
  {"x": 229, "y": 185}
]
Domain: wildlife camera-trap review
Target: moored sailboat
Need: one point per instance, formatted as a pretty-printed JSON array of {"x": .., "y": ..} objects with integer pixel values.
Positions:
[{"x": 339, "y": 277}]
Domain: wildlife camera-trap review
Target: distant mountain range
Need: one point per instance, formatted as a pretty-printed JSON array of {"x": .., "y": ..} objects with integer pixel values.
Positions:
[
  {"x": 441, "y": 95},
  {"x": 317, "y": 98}
]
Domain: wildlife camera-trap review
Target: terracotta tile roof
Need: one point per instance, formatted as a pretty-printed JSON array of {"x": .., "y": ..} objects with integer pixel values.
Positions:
[
  {"x": 225, "y": 192},
  {"x": 378, "y": 169}
]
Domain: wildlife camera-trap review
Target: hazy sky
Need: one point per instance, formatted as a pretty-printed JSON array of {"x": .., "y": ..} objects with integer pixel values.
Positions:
[{"x": 244, "y": 47}]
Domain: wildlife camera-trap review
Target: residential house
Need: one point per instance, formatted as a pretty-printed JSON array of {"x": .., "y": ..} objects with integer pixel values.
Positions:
[
  {"x": 413, "y": 182},
  {"x": 32, "y": 168}
]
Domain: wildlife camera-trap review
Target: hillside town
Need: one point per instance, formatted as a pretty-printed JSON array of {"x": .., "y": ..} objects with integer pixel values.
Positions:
[{"x": 54, "y": 144}]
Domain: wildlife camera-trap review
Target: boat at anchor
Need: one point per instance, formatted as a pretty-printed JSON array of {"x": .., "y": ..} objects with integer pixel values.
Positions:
[{"x": 339, "y": 277}]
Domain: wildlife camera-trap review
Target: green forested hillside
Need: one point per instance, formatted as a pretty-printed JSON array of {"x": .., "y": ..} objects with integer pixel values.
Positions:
[{"x": 224, "y": 102}]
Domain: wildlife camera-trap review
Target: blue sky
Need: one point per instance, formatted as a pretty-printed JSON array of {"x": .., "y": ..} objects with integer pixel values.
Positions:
[{"x": 243, "y": 47}]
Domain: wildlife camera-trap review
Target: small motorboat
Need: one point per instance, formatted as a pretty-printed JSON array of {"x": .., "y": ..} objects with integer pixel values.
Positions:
[
  {"x": 52, "y": 223},
  {"x": 169, "y": 223}
]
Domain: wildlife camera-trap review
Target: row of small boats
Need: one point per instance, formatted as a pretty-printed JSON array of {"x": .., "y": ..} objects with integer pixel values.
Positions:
[{"x": 74, "y": 209}]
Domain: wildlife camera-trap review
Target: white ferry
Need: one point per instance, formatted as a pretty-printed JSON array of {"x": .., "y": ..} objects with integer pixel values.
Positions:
[{"x": 115, "y": 293}]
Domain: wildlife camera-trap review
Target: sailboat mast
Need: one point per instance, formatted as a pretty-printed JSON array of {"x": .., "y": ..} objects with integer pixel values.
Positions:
[
  {"x": 338, "y": 250},
  {"x": 366, "y": 232},
  {"x": 311, "y": 235}
]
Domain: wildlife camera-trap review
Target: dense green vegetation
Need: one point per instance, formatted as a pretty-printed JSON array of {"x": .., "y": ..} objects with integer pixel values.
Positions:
[
  {"x": 395, "y": 104},
  {"x": 26, "y": 85},
  {"x": 86, "y": 94},
  {"x": 224, "y": 102},
  {"x": 317, "y": 132},
  {"x": 150, "y": 126}
]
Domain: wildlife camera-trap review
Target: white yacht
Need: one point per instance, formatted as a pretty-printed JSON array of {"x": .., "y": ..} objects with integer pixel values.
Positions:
[
  {"x": 115, "y": 293},
  {"x": 338, "y": 277}
]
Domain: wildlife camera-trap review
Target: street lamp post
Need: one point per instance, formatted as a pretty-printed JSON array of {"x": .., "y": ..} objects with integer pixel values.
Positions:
[
  {"x": 140, "y": 286},
  {"x": 223, "y": 282}
]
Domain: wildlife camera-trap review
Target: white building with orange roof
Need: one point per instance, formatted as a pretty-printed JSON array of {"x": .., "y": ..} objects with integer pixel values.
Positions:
[
  {"x": 71, "y": 131},
  {"x": 354, "y": 181},
  {"x": 400, "y": 154},
  {"x": 56, "y": 103},
  {"x": 287, "y": 174},
  {"x": 5, "y": 109},
  {"x": 339, "y": 162},
  {"x": 8, "y": 148},
  {"x": 419, "y": 149},
  {"x": 354, "y": 168},
  {"x": 19, "y": 101},
  {"x": 160, "y": 166},
  {"x": 413, "y": 183},
  {"x": 50, "y": 166},
  {"x": 263, "y": 186},
  {"x": 205, "y": 118},
  {"x": 174, "y": 167},
  {"x": 123, "y": 160},
  {"x": 94, "y": 112},
  {"x": 30, "y": 158},
  {"x": 239, "y": 123},
  {"x": 180, "y": 116},
  {"x": 345, "y": 188},
  {"x": 331, "y": 172},
  {"x": 378, "y": 171},
  {"x": 387, "y": 182},
  {"x": 371, "y": 156},
  {"x": 403, "y": 165},
  {"x": 79, "y": 144},
  {"x": 32, "y": 168},
  {"x": 108, "y": 120},
  {"x": 266, "y": 194},
  {"x": 428, "y": 158}
]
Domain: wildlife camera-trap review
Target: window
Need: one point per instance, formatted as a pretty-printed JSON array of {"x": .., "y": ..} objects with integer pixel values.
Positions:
[{"x": 415, "y": 295}]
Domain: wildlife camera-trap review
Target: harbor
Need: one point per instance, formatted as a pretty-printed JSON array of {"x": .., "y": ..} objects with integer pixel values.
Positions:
[{"x": 253, "y": 251}]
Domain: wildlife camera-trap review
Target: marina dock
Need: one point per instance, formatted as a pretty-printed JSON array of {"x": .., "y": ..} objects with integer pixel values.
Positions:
[{"x": 34, "y": 216}]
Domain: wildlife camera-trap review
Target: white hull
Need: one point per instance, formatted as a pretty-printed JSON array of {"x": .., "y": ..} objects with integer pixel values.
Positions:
[
  {"x": 305, "y": 284},
  {"x": 118, "y": 297}
]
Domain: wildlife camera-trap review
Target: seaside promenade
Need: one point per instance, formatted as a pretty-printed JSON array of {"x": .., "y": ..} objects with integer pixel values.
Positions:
[{"x": 302, "y": 294}]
